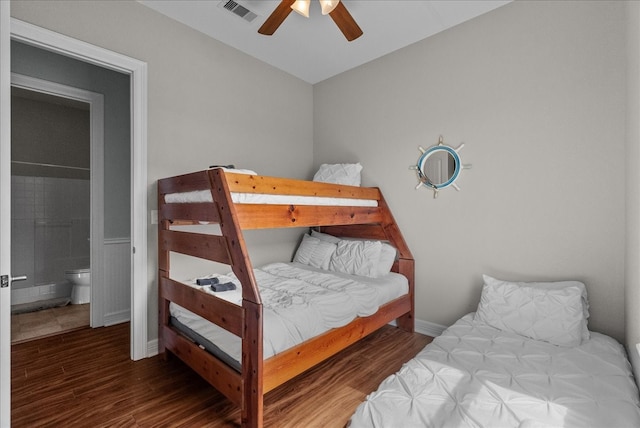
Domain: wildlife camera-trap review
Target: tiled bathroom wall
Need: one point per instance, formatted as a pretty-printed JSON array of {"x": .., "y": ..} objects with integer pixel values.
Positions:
[{"x": 50, "y": 229}]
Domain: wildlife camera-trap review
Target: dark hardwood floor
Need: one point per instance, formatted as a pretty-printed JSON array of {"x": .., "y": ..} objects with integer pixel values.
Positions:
[{"x": 86, "y": 379}]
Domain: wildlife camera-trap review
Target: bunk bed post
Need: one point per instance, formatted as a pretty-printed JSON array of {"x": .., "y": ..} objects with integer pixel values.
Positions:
[
  {"x": 407, "y": 321},
  {"x": 252, "y": 367}
]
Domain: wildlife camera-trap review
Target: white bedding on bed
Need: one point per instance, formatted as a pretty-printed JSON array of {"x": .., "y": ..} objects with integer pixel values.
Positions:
[
  {"x": 475, "y": 375},
  {"x": 199, "y": 196},
  {"x": 299, "y": 302}
]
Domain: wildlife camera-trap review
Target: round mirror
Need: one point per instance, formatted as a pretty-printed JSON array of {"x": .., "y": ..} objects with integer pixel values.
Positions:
[{"x": 439, "y": 167}]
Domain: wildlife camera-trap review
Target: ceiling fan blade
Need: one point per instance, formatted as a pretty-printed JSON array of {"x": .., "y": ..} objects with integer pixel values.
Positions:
[
  {"x": 276, "y": 18},
  {"x": 345, "y": 22}
]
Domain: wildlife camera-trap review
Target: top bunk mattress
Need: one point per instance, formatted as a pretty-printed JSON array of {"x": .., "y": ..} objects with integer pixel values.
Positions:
[
  {"x": 299, "y": 302},
  {"x": 199, "y": 196},
  {"x": 475, "y": 375}
]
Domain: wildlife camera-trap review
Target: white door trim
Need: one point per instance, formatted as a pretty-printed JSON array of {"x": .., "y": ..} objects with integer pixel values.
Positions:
[
  {"x": 96, "y": 112},
  {"x": 5, "y": 213},
  {"x": 64, "y": 45}
]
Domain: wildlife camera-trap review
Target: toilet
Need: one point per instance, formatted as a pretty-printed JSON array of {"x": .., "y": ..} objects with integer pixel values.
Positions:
[{"x": 81, "y": 281}]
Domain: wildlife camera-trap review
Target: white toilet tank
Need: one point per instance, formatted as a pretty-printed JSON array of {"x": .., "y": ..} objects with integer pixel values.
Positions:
[{"x": 81, "y": 280}]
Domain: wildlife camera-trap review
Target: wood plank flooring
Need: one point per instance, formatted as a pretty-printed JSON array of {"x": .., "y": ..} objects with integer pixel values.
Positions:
[{"x": 85, "y": 378}]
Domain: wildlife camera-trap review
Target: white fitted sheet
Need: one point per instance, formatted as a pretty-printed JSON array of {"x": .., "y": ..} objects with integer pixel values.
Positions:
[
  {"x": 474, "y": 375},
  {"x": 199, "y": 196},
  {"x": 299, "y": 302}
]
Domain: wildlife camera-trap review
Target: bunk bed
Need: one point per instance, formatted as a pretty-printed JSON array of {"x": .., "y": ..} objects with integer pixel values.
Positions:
[{"x": 237, "y": 202}]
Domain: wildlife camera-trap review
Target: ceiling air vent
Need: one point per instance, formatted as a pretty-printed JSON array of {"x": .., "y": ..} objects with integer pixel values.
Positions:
[{"x": 239, "y": 10}]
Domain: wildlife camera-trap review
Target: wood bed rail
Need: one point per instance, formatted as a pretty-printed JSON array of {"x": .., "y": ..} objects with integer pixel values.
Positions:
[
  {"x": 244, "y": 183},
  {"x": 184, "y": 183}
]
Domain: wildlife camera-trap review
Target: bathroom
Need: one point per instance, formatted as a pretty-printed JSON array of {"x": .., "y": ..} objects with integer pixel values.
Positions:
[{"x": 50, "y": 206}]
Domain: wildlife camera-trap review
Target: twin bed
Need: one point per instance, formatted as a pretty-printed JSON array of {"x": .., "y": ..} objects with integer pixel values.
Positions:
[{"x": 525, "y": 358}]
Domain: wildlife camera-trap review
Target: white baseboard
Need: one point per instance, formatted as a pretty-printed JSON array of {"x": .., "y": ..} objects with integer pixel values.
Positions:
[
  {"x": 152, "y": 348},
  {"x": 117, "y": 317},
  {"x": 429, "y": 328}
]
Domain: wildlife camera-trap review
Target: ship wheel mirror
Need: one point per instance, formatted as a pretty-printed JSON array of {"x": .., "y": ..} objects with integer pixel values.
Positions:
[{"x": 439, "y": 167}]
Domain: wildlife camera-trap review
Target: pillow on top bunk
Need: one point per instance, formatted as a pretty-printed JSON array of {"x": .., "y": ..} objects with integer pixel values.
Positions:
[
  {"x": 554, "y": 312},
  {"x": 314, "y": 252},
  {"x": 339, "y": 173},
  {"x": 382, "y": 263},
  {"x": 234, "y": 170}
]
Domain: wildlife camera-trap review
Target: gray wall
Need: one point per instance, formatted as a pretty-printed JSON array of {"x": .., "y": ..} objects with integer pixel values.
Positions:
[
  {"x": 46, "y": 130},
  {"x": 536, "y": 91},
  {"x": 114, "y": 86}
]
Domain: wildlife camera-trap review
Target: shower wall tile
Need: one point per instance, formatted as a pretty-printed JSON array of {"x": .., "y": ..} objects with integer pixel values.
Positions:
[
  {"x": 22, "y": 251},
  {"x": 50, "y": 227},
  {"x": 81, "y": 199},
  {"x": 39, "y": 197},
  {"x": 80, "y": 244}
]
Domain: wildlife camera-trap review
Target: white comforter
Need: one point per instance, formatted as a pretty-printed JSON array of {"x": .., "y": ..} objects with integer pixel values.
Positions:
[
  {"x": 299, "y": 302},
  {"x": 477, "y": 376}
]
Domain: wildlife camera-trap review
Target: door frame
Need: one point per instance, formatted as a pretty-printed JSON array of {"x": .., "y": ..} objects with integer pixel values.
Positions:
[
  {"x": 137, "y": 70},
  {"x": 96, "y": 118},
  {"x": 5, "y": 213}
]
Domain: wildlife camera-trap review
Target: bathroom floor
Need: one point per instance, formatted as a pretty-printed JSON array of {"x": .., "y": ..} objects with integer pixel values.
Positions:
[{"x": 48, "y": 322}]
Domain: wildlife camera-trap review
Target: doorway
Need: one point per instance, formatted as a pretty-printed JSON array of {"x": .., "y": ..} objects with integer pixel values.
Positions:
[
  {"x": 136, "y": 73},
  {"x": 56, "y": 191}
]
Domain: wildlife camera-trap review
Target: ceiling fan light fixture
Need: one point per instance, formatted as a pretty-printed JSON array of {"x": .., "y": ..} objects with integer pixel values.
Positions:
[
  {"x": 328, "y": 6},
  {"x": 302, "y": 7},
  {"x": 334, "y": 8}
]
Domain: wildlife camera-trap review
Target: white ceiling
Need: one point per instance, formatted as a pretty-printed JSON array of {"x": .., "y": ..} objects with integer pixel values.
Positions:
[{"x": 314, "y": 49}]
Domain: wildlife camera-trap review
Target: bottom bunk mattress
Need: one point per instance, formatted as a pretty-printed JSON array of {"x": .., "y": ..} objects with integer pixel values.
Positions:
[
  {"x": 299, "y": 302},
  {"x": 474, "y": 375}
]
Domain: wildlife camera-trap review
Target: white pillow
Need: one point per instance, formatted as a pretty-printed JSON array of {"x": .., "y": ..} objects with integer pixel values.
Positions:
[
  {"x": 314, "y": 252},
  {"x": 356, "y": 257},
  {"x": 339, "y": 173},
  {"x": 554, "y": 312},
  {"x": 388, "y": 253},
  {"x": 325, "y": 237}
]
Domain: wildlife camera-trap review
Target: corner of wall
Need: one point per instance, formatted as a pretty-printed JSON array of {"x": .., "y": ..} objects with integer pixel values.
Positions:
[{"x": 632, "y": 256}]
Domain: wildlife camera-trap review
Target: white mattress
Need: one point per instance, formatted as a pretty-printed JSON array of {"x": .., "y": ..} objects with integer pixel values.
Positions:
[
  {"x": 299, "y": 302},
  {"x": 199, "y": 196},
  {"x": 477, "y": 376}
]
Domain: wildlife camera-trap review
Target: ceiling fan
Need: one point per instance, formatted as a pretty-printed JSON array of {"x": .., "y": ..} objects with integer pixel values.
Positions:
[{"x": 334, "y": 8}]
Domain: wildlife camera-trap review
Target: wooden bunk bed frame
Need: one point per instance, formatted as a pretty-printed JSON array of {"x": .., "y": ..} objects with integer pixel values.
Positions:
[{"x": 258, "y": 376}]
